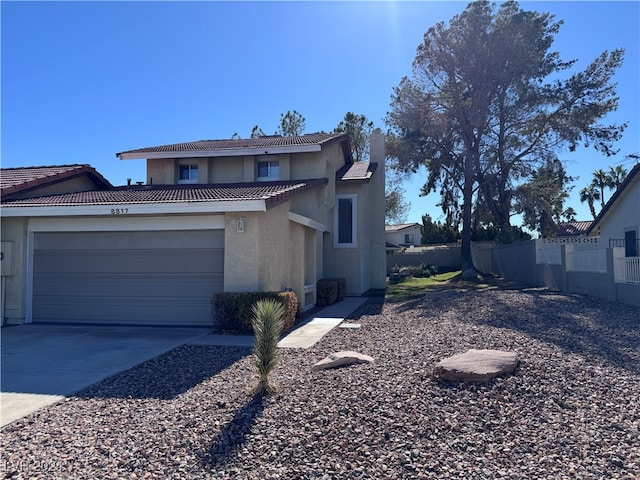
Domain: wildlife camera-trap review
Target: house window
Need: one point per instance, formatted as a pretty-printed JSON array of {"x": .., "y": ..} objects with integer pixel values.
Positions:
[
  {"x": 630, "y": 244},
  {"x": 345, "y": 221},
  {"x": 408, "y": 238},
  {"x": 269, "y": 170},
  {"x": 188, "y": 174}
]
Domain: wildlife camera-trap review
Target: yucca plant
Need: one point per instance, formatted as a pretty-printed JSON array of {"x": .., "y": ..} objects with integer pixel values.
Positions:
[{"x": 267, "y": 325}]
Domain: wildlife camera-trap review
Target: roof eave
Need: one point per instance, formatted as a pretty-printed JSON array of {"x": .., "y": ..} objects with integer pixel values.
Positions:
[
  {"x": 131, "y": 209},
  {"x": 219, "y": 153}
]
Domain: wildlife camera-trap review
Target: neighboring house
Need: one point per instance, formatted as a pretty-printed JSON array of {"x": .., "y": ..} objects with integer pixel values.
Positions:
[
  {"x": 264, "y": 214},
  {"x": 403, "y": 235},
  {"x": 618, "y": 224},
  {"x": 572, "y": 229}
]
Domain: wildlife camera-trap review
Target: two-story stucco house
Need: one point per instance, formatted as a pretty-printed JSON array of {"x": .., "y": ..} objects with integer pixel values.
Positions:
[{"x": 262, "y": 214}]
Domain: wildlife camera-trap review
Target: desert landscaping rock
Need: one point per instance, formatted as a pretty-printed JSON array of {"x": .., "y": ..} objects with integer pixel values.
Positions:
[
  {"x": 570, "y": 410},
  {"x": 476, "y": 365},
  {"x": 341, "y": 359}
]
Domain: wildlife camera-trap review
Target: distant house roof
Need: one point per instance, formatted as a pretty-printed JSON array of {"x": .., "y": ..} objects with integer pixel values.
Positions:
[
  {"x": 358, "y": 171},
  {"x": 273, "y": 144},
  {"x": 572, "y": 229},
  {"x": 272, "y": 193},
  {"x": 614, "y": 198},
  {"x": 397, "y": 228},
  {"x": 19, "y": 180}
]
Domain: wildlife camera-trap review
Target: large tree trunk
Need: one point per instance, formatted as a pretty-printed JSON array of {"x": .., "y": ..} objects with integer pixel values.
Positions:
[{"x": 468, "y": 269}]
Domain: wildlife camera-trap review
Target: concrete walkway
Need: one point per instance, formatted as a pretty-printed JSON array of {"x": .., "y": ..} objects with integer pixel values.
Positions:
[
  {"x": 304, "y": 336},
  {"x": 42, "y": 364}
]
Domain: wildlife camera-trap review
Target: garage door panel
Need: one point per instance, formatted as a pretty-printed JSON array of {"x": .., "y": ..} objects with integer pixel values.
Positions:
[
  {"x": 171, "y": 311},
  {"x": 129, "y": 240},
  {"x": 75, "y": 285},
  {"x": 123, "y": 261},
  {"x": 159, "y": 278}
]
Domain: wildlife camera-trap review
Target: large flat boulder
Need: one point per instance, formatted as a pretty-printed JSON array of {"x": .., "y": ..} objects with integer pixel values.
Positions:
[
  {"x": 341, "y": 359},
  {"x": 476, "y": 365}
]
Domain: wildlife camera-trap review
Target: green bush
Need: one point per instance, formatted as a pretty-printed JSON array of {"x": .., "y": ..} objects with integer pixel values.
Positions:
[
  {"x": 233, "y": 311},
  {"x": 418, "y": 271}
]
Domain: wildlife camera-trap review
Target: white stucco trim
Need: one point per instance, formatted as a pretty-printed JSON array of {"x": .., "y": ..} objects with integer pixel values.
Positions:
[
  {"x": 124, "y": 223},
  {"x": 307, "y": 222},
  {"x": 132, "y": 209},
  {"x": 222, "y": 153}
]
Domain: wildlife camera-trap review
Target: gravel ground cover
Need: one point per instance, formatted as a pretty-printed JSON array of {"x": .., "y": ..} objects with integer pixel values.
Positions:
[{"x": 571, "y": 409}]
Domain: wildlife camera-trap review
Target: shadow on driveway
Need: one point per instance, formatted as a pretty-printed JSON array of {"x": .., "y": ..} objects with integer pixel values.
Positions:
[{"x": 61, "y": 360}]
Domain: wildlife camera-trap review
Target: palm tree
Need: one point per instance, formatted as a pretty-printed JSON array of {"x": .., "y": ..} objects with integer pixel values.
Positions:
[
  {"x": 602, "y": 180},
  {"x": 617, "y": 175},
  {"x": 590, "y": 194}
]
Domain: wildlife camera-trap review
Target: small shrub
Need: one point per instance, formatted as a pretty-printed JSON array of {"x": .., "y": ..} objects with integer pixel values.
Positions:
[
  {"x": 423, "y": 270},
  {"x": 395, "y": 278},
  {"x": 267, "y": 323},
  {"x": 342, "y": 287},
  {"x": 326, "y": 292},
  {"x": 233, "y": 311}
]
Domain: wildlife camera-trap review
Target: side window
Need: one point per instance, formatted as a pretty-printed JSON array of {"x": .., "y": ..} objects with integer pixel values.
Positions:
[
  {"x": 345, "y": 221},
  {"x": 188, "y": 174},
  {"x": 630, "y": 244},
  {"x": 408, "y": 238},
  {"x": 268, "y": 171}
]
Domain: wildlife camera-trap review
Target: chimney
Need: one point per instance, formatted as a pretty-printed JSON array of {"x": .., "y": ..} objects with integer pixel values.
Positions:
[{"x": 376, "y": 146}]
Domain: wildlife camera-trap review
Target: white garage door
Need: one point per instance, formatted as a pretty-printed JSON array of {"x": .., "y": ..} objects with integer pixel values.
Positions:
[{"x": 136, "y": 278}]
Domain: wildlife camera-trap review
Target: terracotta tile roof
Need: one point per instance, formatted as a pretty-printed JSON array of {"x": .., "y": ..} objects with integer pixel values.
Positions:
[
  {"x": 360, "y": 171},
  {"x": 229, "y": 146},
  {"x": 18, "y": 180},
  {"x": 271, "y": 192},
  {"x": 572, "y": 229}
]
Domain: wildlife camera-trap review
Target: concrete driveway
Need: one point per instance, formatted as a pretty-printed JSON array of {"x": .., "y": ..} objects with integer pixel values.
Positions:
[{"x": 42, "y": 364}]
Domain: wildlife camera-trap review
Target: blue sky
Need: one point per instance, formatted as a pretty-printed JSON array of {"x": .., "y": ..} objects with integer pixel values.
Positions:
[{"x": 84, "y": 80}]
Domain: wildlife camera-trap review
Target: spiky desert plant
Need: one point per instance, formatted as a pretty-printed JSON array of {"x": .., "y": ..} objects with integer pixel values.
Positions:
[{"x": 267, "y": 325}]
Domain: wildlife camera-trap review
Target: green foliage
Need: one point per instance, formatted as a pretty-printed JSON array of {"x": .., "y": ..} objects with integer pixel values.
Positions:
[
  {"x": 410, "y": 286},
  {"x": 434, "y": 233},
  {"x": 233, "y": 311},
  {"x": 358, "y": 128},
  {"x": 267, "y": 323},
  {"x": 256, "y": 132},
  {"x": 291, "y": 124},
  {"x": 590, "y": 194},
  {"x": 541, "y": 199},
  {"x": 486, "y": 233},
  {"x": 400, "y": 274},
  {"x": 487, "y": 104}
]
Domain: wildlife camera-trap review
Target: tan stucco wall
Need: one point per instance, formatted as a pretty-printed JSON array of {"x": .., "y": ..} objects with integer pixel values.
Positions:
[
  {"x": 225, "y": 170},
  {"x": 160, "y": 171},
  {"x": 364, "y": 267},
  {"x": 241, "y": 251},
  {"x": 273, "y": 253},
  {"x": 217, "y": 169},
  {"x": 14, "y": 297}
]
